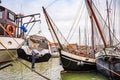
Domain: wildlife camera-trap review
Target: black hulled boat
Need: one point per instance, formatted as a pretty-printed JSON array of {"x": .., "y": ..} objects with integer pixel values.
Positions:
[
  {"x": 108, "y": 56},
  {"x": 37, "y": 45},
  {"x": 71, "y": 61}
]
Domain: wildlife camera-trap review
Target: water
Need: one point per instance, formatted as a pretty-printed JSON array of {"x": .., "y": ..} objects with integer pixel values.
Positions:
[
  {"x": 82, "y": 76},
  {"x": 18, "y": 71},
  {"x": 51, "y": 69}
]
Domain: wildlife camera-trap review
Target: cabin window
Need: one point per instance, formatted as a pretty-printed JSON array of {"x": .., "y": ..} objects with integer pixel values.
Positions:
[
  {"x": 1, "y": 12},
  {"x": 11, "y": 16}
]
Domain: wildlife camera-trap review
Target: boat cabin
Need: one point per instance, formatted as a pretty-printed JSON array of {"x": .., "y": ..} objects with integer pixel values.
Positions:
[
  {"x": 8, "y": 22},
  {"x": 15, "y": 25}
]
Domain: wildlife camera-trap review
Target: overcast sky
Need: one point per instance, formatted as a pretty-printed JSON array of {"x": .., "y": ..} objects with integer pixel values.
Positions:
[{"x": 63, "y": 13}]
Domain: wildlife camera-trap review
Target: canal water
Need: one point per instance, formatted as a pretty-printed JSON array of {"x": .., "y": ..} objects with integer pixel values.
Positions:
[
  {"x": 82, "y": 76},
  {"x": 51, "y": 69}
]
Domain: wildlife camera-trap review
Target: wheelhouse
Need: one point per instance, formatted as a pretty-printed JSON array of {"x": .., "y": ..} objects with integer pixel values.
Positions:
[
  {"x": 15, "y": 25},
  {"x": 8, "y": 23}
]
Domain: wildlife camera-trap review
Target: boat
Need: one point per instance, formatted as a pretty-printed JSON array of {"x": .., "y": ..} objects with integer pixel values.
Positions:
[
  {"x": 71, "y": 59},
  {"x": 14, "y": 32},
  {"x": 53, "y": 49},
  {"x": 9, "y": 39},
  {"x": 34, "y": 46},
  {"x": 38, "y": 44},
  {"x": 108, "y": 56}
]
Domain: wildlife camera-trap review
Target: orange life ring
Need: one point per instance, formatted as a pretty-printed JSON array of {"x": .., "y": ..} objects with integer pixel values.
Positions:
[{"x": 10, "y": 29}]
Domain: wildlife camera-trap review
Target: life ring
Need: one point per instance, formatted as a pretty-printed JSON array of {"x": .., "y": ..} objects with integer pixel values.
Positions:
[{"x": 10, "y": 29}]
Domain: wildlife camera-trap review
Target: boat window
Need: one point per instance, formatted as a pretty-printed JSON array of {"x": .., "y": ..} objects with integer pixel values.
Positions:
[{"x": 11, "y": 16}]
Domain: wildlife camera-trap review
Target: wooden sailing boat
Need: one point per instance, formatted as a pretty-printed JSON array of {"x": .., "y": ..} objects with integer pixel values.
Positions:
[
  {"x": 108, "y": 58},
  {"x": 72, "y": 60}
]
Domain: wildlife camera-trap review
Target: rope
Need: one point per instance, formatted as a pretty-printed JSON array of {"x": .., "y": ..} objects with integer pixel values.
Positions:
[
  {"x": 10, "y": 54},
  {"x": 33, "y": 70},
  {"x": 105, "y": 21},
  {"x": 76, "y": 22},
  {"x": 109, "y": 69},
  {"x": 51, "y": 4}
]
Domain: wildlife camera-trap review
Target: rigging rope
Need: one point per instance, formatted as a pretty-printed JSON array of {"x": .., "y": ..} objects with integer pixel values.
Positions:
[
  {"x": 105, "y": 21},
  {"x": 51, "y": 4},
  {"x": 75, "y": 21},
  {"x": 55, "y": 33}
]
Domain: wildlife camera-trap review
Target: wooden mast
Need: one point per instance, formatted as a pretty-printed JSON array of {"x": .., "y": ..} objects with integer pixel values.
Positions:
[
  {"x": 50, "y": 25},
  {"x": 79, "y": 36},
  {"x": 97, "y": 23},
  {"x": 92, "y": 36},
  {"x": 108, "y": 16}
]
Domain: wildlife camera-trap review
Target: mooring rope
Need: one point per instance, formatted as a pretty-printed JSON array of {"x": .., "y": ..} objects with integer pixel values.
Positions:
[
  {"x": 33, "y": 70},
  {"x": 108, "y": 69},
  {"x": 10, "y": 54}
]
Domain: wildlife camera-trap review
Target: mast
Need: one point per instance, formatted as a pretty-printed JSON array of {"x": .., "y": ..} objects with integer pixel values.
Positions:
[
  {"x": 97, "y": 23},
  {"x": 79, "y": 36},
  {"x": 50, "y": 25},
  {"x": 108, "y": 16},
  {"x": 92, "y": 29},
  {"x": 85, "y": 40}
]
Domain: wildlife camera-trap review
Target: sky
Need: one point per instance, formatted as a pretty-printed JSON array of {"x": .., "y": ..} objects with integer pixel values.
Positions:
[{"x": 63, "y": 13}]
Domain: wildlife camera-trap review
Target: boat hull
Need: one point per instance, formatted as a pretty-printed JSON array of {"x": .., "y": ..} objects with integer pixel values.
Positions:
[
  {"x": 23, "y": 55},
  {"x": 108, "y": 68},
  {"x": 8, "y": 48},
  {"x": 72, "y": 62},
  {"x": 5, "y": 56},
  {"x": 10, "y": 43}
]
